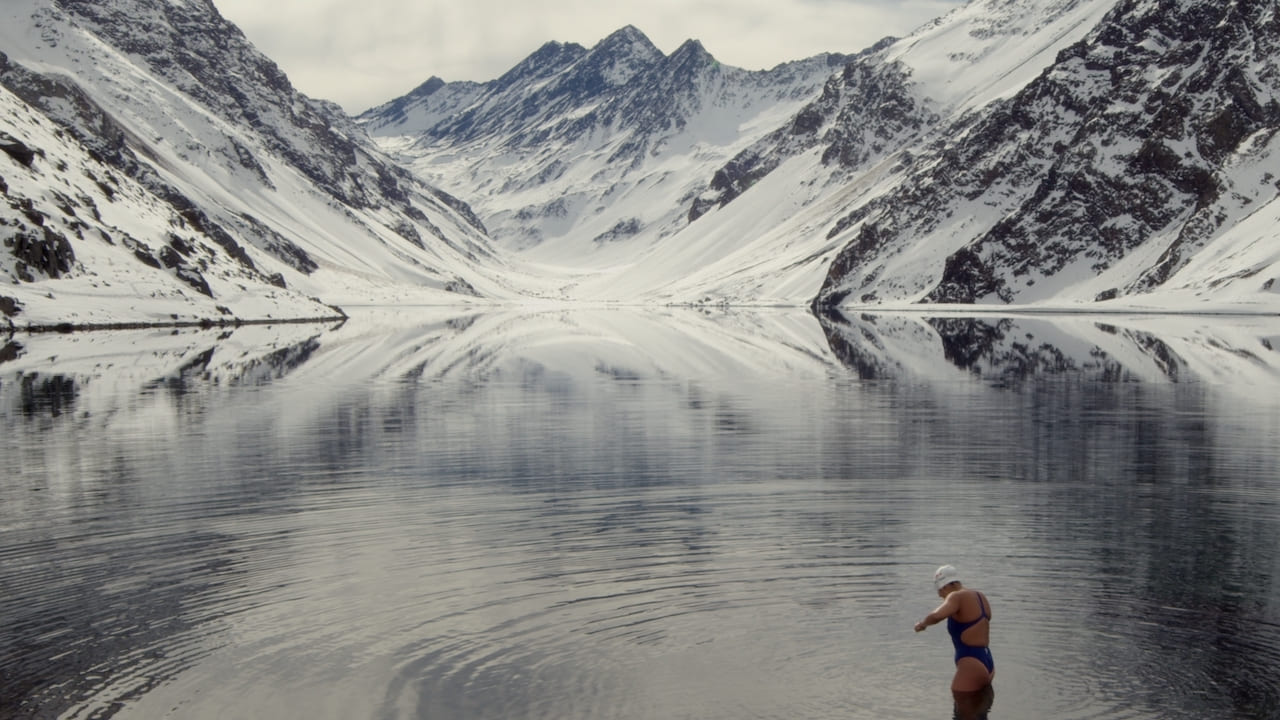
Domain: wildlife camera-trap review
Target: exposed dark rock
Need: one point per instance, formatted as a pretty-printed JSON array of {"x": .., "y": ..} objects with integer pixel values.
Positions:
[
  {"x": 965, "y": 279},
  {"x": 17, "y": 149},
  {"x": 865, "y": 248},
  {"x": 1053, "y": 161},
  {"x": 201, "y": 223},
  {"x": 730, "y": 181},
  {"x": 45, "y": 251},
  {"x": 867, "y": 111},
  {"x": 12, "y": 350},
  {"x": 146, "y": 258},
  {"x": 460, "y": 286},
  {"x": 623, "y": 229},
  {"x": 463, "y": 209},
  {"x": 94, "y": 128},
  {"x": 192, "y": 48},
  {"x": 170, "y": 257},
  {"x": 407, "y": 231},
  {"x": 279, "y": 246}
]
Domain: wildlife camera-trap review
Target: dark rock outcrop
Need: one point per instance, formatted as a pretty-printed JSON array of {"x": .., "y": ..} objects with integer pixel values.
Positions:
[{"x": 1126, "y": 136}]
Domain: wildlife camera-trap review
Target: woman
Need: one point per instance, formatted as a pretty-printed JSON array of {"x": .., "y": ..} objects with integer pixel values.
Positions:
[{"x": 968, "y": 616}]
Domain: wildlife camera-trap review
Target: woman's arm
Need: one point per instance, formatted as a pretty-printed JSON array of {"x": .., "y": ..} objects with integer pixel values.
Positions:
[{"x": 944, "y": 611}]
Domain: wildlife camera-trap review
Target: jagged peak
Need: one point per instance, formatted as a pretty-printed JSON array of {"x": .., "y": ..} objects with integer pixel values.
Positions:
[
  {"x": 692, "y": 48},
  {"x": 691, "y": 55},
  {"x": 546, "y": 61},
  {"x": 397, "y": 106},
  {"x": 427, "y": 89},
  {"x": 616, "y": 59},
  {"x": 628, "y": 39}
]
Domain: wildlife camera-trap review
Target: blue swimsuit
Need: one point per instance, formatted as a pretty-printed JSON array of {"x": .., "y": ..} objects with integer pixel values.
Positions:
[{"x": 982, "y": 654}]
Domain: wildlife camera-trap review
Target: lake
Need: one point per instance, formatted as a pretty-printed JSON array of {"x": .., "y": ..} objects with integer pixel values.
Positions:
[{"x": 640, "y": 514}]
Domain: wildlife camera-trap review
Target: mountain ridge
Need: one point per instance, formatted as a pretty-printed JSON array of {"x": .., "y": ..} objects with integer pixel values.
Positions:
[
  {"x": 1093, "y": 175},
  {"x": 616, "y": 120},
  {"x": 988, "y": 158},
  {"x": 1043, "y": 154},
  {"x": 172, "y": 98}
]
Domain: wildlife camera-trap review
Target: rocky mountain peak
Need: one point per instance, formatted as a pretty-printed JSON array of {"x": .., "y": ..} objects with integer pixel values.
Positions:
[
  {"x": 626, "y": 47},
  {"x": 1127, "y": 146},
  {"x": 599, "y": 119},
  {"x": 426, "y": 89},
  {"x": 607, "y": 66},
  {"x": 547, "y": 61},
  {"x": 687, "y": 62},
  {"x": 690, "y": 51}
]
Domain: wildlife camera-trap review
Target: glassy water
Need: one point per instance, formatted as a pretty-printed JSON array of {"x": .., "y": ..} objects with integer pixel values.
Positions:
[{"x": 649, "y": 515}]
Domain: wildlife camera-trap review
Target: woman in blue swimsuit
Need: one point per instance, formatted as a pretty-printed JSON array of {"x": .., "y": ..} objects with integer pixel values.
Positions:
[{"x": 968, "y": 616}]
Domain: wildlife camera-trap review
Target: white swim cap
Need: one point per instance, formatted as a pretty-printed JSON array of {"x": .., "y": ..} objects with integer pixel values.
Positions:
[{"x": 944, "y": 576}]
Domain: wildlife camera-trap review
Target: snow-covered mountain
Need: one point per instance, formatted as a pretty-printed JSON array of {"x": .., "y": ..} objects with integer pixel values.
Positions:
[
  {"x": 158, "y": 167},
  {"x": 581, "y": 156},
  {"x": 1136, "y": 165},
  {"x": 1108, "y": 154},
  {"x": 1050, "y": 152}
]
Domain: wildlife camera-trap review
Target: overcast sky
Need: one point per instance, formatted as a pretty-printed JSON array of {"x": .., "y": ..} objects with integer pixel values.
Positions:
[{"x": 361, "y": 53}]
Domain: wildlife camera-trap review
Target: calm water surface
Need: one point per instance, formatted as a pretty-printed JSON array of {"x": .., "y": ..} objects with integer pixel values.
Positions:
[{"x": 593, "y": 515}]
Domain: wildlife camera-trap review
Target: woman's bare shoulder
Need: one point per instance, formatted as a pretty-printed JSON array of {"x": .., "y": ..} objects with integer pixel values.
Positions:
[{"x": 986, "y": 602}]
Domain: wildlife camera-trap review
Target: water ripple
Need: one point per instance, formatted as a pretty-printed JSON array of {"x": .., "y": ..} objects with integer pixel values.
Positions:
[{"x": 631, "y": 545}]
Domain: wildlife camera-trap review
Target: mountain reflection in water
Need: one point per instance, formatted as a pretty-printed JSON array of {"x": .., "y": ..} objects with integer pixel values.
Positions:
[
  {"x": 609, "y": 514},
  {"x": 1010, "y": 350}
]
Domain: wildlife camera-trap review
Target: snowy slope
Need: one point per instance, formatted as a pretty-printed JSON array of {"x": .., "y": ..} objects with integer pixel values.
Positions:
[
  {"x": 1005, "y": 154},
  {"x": 1112, "y": 177},
  {"x": 806, "y": 160},
  {"x": 1001, "y": 154},
  {"x": 990, "y": 49},
  {"x": 1064, "y": 154},
  {"x": 87, "y": 245},
  {"x": 850, "y": 147},
  {"x": 583, "y": 157},
  {"x": 172, "y": 97}
]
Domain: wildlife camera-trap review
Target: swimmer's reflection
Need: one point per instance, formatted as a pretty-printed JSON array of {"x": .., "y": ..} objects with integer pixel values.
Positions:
[{"x": 974, "y": 705}]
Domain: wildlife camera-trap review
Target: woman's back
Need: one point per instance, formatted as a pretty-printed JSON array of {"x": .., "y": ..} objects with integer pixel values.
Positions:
[{"x": 971, "y": 622}]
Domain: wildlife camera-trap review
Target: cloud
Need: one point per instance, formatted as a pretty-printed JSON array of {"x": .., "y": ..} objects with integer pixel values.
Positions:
[{"x": 364, "y": 53}]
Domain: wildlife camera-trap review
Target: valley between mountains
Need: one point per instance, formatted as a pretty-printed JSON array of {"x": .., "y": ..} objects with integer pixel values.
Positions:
[{"x": 1084, "y": 155}]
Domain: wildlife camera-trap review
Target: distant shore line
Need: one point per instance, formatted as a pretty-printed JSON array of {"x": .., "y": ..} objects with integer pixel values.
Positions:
[
  {"x": 930, "y": 310},
  {"x": 204, "y": 324}
]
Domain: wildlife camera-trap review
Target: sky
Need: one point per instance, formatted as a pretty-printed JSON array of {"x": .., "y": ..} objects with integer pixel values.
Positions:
[{"x": 362, "y": 53}]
